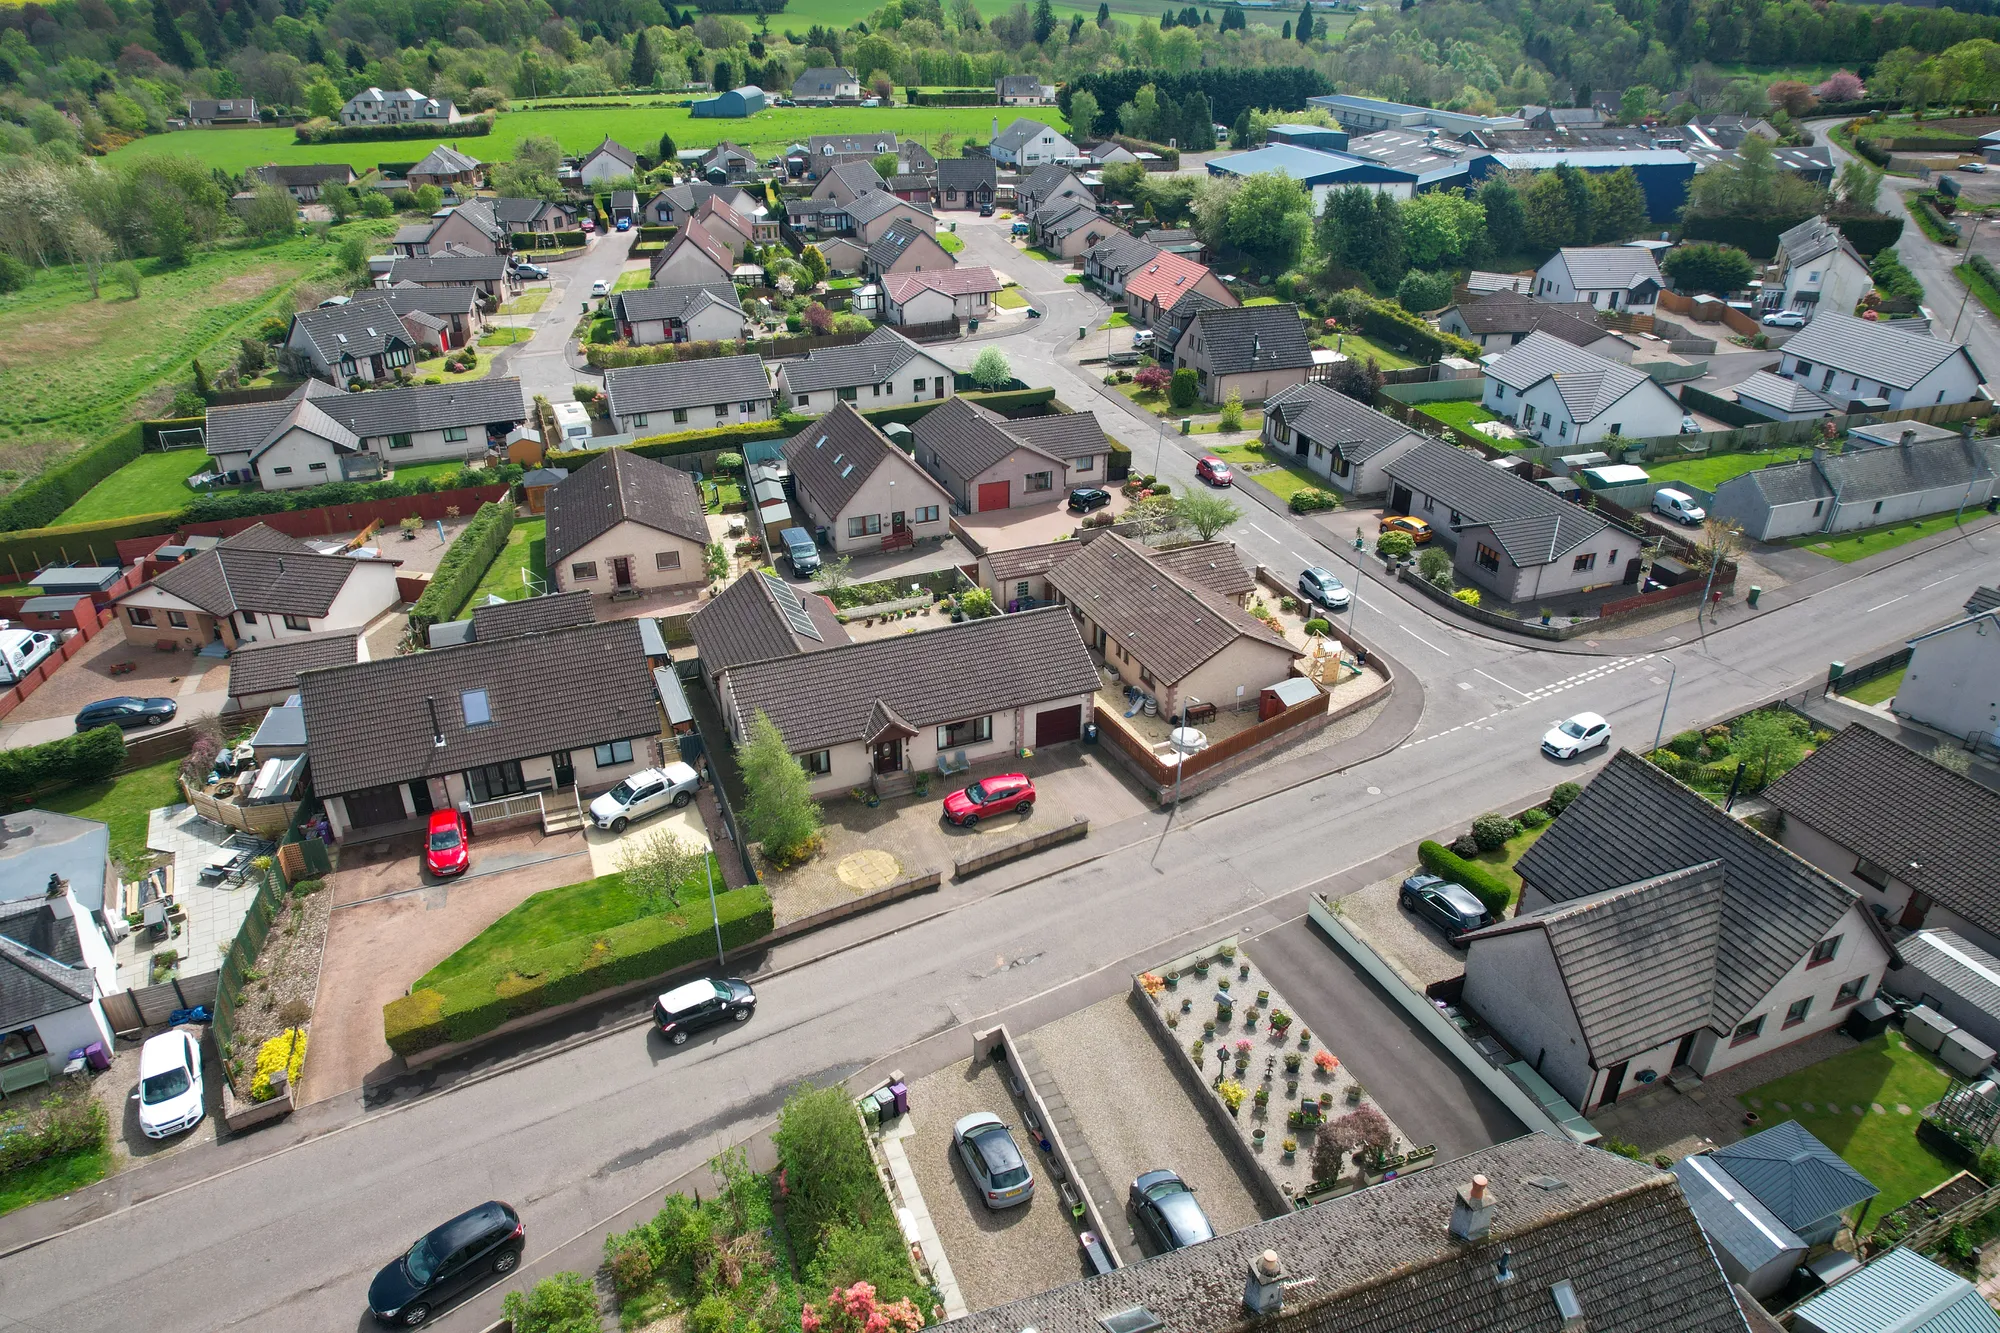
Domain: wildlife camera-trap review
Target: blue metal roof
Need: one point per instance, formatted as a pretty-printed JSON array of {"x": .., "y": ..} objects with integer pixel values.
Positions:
[
  {"x": 1731, "y": 1216},
  {"x": 1800, "y": 1179},
  {"x": 1900, "y": 1292},
  {"x": 1307, "y": 166}
]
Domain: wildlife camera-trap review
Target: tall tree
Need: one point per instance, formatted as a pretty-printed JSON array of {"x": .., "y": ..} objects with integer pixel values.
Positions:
[
  {"x": 1083, "y": 112},
  {"x": 1075, "y": 27},
  {"x": 1269, "y": 218},
  {"x": 645, "y": 66},
  {"x": 1305, "y": 28},
  {"x": 1045, "y": 21},
  {"x": 1104, "y": 14},
  {"x": 173, "y": 46},
  {"x": 1506, "y": 225},
  {"x": 1617, "y": 206},
  {"x": 780, "y": 811},
  {"x": 720, "y": 78}
]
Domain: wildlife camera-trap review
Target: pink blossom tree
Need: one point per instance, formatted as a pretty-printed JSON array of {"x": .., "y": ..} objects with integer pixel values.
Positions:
[
  {"x": 1841, "y": 86},
  {"x": 856, "y": 1310}
]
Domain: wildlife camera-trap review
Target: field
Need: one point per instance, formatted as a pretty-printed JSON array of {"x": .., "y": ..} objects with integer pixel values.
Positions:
[{"x": 149, "y": 484}]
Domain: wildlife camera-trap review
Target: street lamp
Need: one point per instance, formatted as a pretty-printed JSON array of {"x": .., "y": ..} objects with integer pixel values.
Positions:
[
  {"x": 1672, "y": 672},
  {"x": 1968, "y": 290},
  {"x": 1181, "y": 753}
]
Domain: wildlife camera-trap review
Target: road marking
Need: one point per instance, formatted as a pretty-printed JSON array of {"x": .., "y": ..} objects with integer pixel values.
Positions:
[
  {"x": 1497, "y": 681},
  {"x": 1421, "y": 639},
  {"x": 1260, "y": 532},
  {"x": 1302, "y": 559},
  {"x": 1465, "y": 684},
  {"x": 1934, "y": 582},
  {"x": 1879, "y": 605}
]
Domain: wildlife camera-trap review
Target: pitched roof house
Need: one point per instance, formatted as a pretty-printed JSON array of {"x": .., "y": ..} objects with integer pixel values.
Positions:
[
  {"x": 1819, "y": 268},
  {"x": 319, "y": 434},
  {"x": 626, "y": 522},
  {"x": 881, "y": 370},
  {"x": 825, "y": 85},
  {"x": 1255, "y": 351},
  {"x": 55, "y": 966},
  {"x": 1952, "y": 684},
  {"x": 850, "y": 180},
  {"x": 221, "y": 111},
  {"x": 966, "y": 182},
  {"x": 256, "y": 585},
  {"x": 682, "y": 395},
  {"x": 1044, "y": 185},
  {"x": 759, "y": 618},
  {"x": 1024, "y": 90},
  {"x": 1499, "y": 321},
  {"x": 505, "y": 620},
  {"x": 609, "y": 161},
  {"x": 487, "y": 274},
  {"x": 935, "y": 295},
  {"x": 1743, "y": 947},
  {"x": 874, "y": 213},
  {"x": 906, "y": 247},
  {"x": 1848, "y": 360},
  {"x": 1156, "y": 287},
  {"x": 305, "y": 180},
  {"x": 988, "y": 465},
  {"x": 372, "y": 106},
  {"x": 1071, "y": 228},
  {"x": 1931, "y": 471},
  {"x": 265, "y": 672},
  {"x": 1326, "y": 431},
  {"x": 1115, "y": 258},
  {"x": 860, "y": 492},
  {"x": 1560, "y": 394},
  {"x": 677, "y": 203},
  {"x": 1027, "y": 144},
  {"x": 693, "y": 256},
  {"x": 689, "y": 312},
  {"x": 1610, "y": 277},
  {"x": 364, "y": 339},
  {"x": 446, "y": 166}
]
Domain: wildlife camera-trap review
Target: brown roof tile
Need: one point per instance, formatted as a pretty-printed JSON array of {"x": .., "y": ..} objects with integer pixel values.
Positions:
[
  {"x": 275, "y": 664},
  {"x": 1214, "y": 565},
  {"x": 531, "y": 615},
  {"x": 760, "y": 617},
  {"x": 621, "y": 487}
]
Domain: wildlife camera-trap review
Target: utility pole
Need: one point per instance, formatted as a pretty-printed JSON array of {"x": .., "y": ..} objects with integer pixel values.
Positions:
[
  {"x": 1968, "y": 286},
  {"x": 1673, "y": 672}
]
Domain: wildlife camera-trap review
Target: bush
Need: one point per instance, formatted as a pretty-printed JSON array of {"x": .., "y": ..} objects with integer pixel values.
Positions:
[
  {"x": 463, "y": 565},
  {"x": 1419, "y": 291},
  {"x": 68, "y": 1121},
  {"x": 1492, "y": 891},
  {"x": 89, "y": 757},
  {"x": 563, "y": 1303},
  {"x": 1392, "y": 324},
  {"x": 1535, "y": 818},
  {"x": 1395, "y": 545},
  {"x": 829, "y": 1173},
  {"x": 1492, "y": 831},
  {"x": 1161, "y": 488},
  {"x": 1892, "y": 279},
  {"x": 1312, "y": 500},
  {"x": 1469, "y": 596},
  {"x": 1434, "y": 566},
  {"x": 1686, "y": 744},
  {"x": 1232, "y": 411},
  {"x": 1465, "y": 845},
  {"x": 1560, "y": 798},
  {"x": 286, "y": 1051},
  {"x": 1319, "y": 627},
  {"x": 1183, "y": 390}
]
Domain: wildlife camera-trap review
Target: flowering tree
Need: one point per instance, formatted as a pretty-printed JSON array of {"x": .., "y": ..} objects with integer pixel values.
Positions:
[
  {"x": 1841, "y": 86},
  {"x": 1153, "y": 379},
  {"x": 1361, "y": 1129},
  {"x": 855, "y": 1310}
]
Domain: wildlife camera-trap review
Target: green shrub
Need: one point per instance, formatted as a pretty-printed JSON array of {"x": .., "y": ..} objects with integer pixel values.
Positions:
[
  {"x": 1312, "y": 500},
  {"x": 1535, "y": 818},
  {"x": 562, "y": 1303},
  {"x": 222, "y": 505},
  {"x": 1161, "y": 488},
  {"x": 1395, "y": 545},
  {"x": 711, "y": 1314},
  {"x": 1465, "y": 845},
  {"x": 1560, "y": 798},
  {"x": 1183, "y": 390},
  {"x": 874, "y": 1254},
  {"x": 1319, "y": 627},
  {"x": 1434, "y": 566},
  {"x": 680, "y": 443},
  {"x": 89, "y": 757},
  {"x": 1492, "y": 891},
  {"x": 65, "y": 1122},
  {"x": 1685, "y": 743},
  {"x": 472, "y": 551},
  {"x": 41, "y": 501},
  {"x": 1893, "y": 279},
  {"x": 1492, "y": 831},
  {"x": 829, "y": 1173}
]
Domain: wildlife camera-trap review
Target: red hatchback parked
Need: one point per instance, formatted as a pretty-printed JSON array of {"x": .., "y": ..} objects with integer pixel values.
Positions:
[
  {"x": 446, "y": 848},
  {"x": 1008, "y": 792},
  {"x": 1213, "y": 471}
]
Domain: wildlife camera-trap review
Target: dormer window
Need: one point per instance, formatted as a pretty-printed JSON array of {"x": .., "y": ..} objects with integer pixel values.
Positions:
[{"x": 478, "y": 712}]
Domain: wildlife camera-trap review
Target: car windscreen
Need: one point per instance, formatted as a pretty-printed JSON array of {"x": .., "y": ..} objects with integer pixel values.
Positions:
[
  {"x": 164, "y": 1087},
  {"x": 622, "y": 793},
  {"x": 423, "y": 1259},
  {"x": 976, "y": 794},
  {"x": 444, "y": 839},
  {"x": 1572, "y": 728}
]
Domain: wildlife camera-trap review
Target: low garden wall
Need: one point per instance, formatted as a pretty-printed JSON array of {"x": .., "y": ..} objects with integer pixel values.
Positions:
[{"x": 1075, "y": 831}]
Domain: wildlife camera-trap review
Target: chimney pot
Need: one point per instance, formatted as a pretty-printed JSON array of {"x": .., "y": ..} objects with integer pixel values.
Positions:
[
  {"x": 1478, "y": 1188},
  {"x": 1264, "y": 1292},
  {"x": 1472, "y": 1212}
]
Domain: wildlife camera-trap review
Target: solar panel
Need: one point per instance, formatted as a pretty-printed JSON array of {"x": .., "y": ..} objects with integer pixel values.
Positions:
[{"x": 792, "y": 606}]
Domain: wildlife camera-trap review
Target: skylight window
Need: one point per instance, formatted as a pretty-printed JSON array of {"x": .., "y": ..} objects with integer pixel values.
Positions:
[{"x": 478, "y": 712}]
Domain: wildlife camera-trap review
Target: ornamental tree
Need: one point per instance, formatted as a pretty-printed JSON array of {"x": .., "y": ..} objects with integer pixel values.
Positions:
[{"x": 856, "y": 1310}]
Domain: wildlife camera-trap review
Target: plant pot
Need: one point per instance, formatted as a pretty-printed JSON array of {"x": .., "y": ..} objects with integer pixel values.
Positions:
[
  {"x": 1326, "y": 1099},
  {"x": 1208, "y": 1027},
  {"x": 1173, "y": 981},
  {"x": 1243, "y": 972},
  {"x": 1186, "y": 1004},
  {"x": 1291, "y": 1087},
  {"x": 1353, "y": 1096},
  {"x": 1305, "y": 1038},
  {"x": 1257, "y": 1137},
  {"x": 1201, "y": 970},
  {"x": 1751, "y": 1117},
  {"x": 1263, "y": 997}
]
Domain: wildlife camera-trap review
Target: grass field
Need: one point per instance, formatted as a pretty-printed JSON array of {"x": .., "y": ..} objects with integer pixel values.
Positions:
[
  {"x": 1010, "y": 298},
  {"x": 149, "y": 484},
  {"x": 1877, "y": 691},
  {"x": 418, "y": 471},
  {"x": 949, "y": 242},
  {"x": 123, "y": 803},
  {"x": 505, "y": 337},
  {"x": 638, "y": 277},
  {"x": 1463, "y": 413},
  {"x": 1883, "y": 1072},
  {"x": 1714, "y": 469},
  {"x": 525, "y": 549},
  {"x": 1851, "y": 546}
]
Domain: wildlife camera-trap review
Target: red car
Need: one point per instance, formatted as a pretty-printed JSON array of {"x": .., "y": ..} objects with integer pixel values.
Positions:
[
  {"x": 1214, "y": 471},
  {"x": 446, "y": 847},
  {"x": 1008, "y": 792}
]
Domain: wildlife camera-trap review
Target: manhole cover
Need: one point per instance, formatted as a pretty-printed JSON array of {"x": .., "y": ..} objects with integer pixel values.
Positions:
[
  {"x": 868, "y": 869},
  {"x": 1374, "y": 791}
]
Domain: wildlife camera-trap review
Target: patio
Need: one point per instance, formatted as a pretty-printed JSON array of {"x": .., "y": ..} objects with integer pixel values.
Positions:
[
  {"x": 207, "y": 914},
  {"x": 1010, "y": 529}
]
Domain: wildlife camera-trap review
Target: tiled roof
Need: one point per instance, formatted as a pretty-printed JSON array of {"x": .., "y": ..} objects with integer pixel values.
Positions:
[
  {"x": 717, "y": 218},
  {"x": 1785, "y": 483},
  {"x": 1861, "y": 475},
  {"x": 1776, "y": 909},
  {"x": 1020, "y": 85},
  {"x": 1939, "y": 832},
  {"x": 668, "y": 385},
  {"x": 370, "y": 723},
  {"x": 621, "y": 487},
  {"x": 1478, "y": 281},
  {"x": 1019, "y": 135},
  {"x": 1736, "y": 1224},
  {"x": 1901, "y": 1292},
  {"x": 824, "y": 78},
  {"x": 1510, "y": 312},
  {"x": 1121, "y": 253},
  {"x": 1982, "y": 599},
  {"x": 1027, "y": 562},
  {"x": 1800, "y": 1179},
  {"x": 275, "y": 664},
  {"x": 680, "y": 301},
  {"x": 448, "y": 268},
  {"x": 1256, "y": 337},
  {"x": 258, "y": 570},
  {"x": 429, "y": 300},
  {"x": 833, "y": 457},
  {"x": 967, "y": 174},
  {"x": 360, "y": 328},
  {"x": 243, "y": 429},
  {"x": 943, "y": 675},
  {"x": 531, "y": 615},
  {"x": 307, "y": 173},
  {"x": 952, "y": 282},
  {"x": 41, "y": 963},
  {"x": 837, "y": 145},
  {"x": 871, "y": 361},
  {"x": 901, "y": 235},
  {"x": 1062, "y": 221},
  {"x": 518, "y": 214},
  {"x": 1876, "y": 350},
  {"x": 693, "y": 233},
  {"x": 1214, "y": 565},
  {"x": 1808, "y": 240},
  {"x": 1589, "y": 384},
  {"x": 422, "y": 407},
  {"x": 1164, "y": 279},
  {"x": 867, "y": 207},
  {"x": 1043, "y": 182},
  {"x": 1785, "y": 394},
  {"x": 614, "y": 150},
  {"x": 1329, "y": 418},
  {"x": 1596, "y": 267},
  {"x": 966, "y": 440},
  {"x": 444, "y": 160},
  {"x": 1173, "y": 320},
  {"x": 1383, "y": 1260},
  {"x": 760, "y": 617},
  {"x": 1170, "y": 623},
  {"x": 860, "y": 178},
  {"x": 1064, "y": 434}
]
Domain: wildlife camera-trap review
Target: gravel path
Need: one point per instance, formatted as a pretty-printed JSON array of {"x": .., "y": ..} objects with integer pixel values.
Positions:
[{"x": 998, "y": 1256}]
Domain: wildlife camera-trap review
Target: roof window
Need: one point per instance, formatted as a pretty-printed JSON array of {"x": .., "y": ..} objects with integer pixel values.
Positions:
[{"x": 478, "y": 712}]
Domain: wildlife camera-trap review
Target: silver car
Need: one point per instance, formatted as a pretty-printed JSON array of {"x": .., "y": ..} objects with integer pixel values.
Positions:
[
  {"x": 996, "y": 1165},
  {"x": 646, "y": 792}
]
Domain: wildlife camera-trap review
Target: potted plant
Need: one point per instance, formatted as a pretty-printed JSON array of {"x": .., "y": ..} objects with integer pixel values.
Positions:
[
  {"x": 1292, "y": 1062},
  {"x": 1187, "y": 1004},
  {"x": 1223, "y": 984},
  {"x": 1201, "y": 969},
  {"x": 1257, "y": 1136},
  {"x": 1173, "y": 981},
  {"x": 1263, "y": 996},
  {"x": 1173, "y": 1020},
  {"x": 1291, "y": 1087},
  {"x": 1325, "y": 1101},
  {"x": 1305, "y": 1038},
  {"x": 1547, "y": 615},
  {"x": 1291, "y": 1146},
  {"x": 922, "y": 783},
  {"x": 1354, "y": 1091},
  {"x": 1280, "y": 1020},
  {"x": 1243, "y": 971},
  {"x": 1208, "y": 1027},
  {"x": 1226, "y": 952},
  {"x": 1262, "y": 1098},
  {"x": 1195, "y": 1049}
]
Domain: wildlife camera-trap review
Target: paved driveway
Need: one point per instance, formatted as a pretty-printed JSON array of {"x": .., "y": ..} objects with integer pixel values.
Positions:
[{"x": 198, "y": 684}]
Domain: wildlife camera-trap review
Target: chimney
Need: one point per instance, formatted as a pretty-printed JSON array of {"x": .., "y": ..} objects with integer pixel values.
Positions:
[
  {"x": 1472, "y": 1215},
  {"x": 57, "y": 885},
  {"x": 1264, "y": 1293},
  {"x": 1909, "y": 437}
]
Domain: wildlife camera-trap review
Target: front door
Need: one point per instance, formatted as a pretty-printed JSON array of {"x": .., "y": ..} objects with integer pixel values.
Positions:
[
  {"x": 420, "y": 798},
  {"x": 889, "y": 756},
  {"x": 621, "y": 571},
  {"x": 1683, "y": 1051},
  {"x": 565, "y": 770},
  {"x": 1300, "y": 444},
  {"x": 896, "y": 521},
  {"x": 1914, "y": 911},
  {"x": 1613, "y": 1082}
]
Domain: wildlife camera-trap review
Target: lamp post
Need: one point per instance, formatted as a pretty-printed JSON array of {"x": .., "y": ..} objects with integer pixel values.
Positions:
[
  {"x": 1968, "y": 289},
  {"x": 1180, "y": 760},
  {"x": 1672, "y": 672}
]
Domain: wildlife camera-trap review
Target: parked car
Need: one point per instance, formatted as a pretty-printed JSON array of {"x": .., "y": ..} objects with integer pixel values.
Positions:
[
  {"x": 700, "y": 1004},
  {"x": 171, "y": 1093},
  {"x": 1689, "y": 426},
  {"x": 1213, "y": 470},
  {"x": 997, "y": 795},
  {"x": 1417, "y": 530},
  {"x": 986, "y": 210},
  {"x": 1678, "y": 506},
  {"x": 801, "y": 551},
  {"x": 871, "y": 101},
  {"x": 1976, "y": 168},
  {"x": 600, "y": 288},
  {"x": 624, "y": 224},
  {"x": 533, "y": 272},
  {"x": 1572, "y": 736},
  {"x": 332, "y": 301},
  {"x": 478, "y": 1242},
  {"x": 1785, "y": 319},
  {"x": 125, "y": 713},
  {"x": 1142, "y": 337},
  {"x": 1166, "y": 1208},
  {"x": 1320, "y": 587},
  {"x": 1084, "y": 499},
  {"x": 586, "y": 225},
  {"x": 644, "y": 793},
  {"x": 21, "y": 651},
  {"x": 1452, "y": 908},
  {"x": 998, "y": 1169},
  {"x": 784, "y": 101},
  {"x": 448, "y": 844}
]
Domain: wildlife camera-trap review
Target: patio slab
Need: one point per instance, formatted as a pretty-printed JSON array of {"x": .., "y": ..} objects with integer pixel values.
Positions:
[{"x": 214, "y": 912}]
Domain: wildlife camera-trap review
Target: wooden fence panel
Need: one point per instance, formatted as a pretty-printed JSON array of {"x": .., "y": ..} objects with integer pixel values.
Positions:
[{"x": 150, "y": 1006}]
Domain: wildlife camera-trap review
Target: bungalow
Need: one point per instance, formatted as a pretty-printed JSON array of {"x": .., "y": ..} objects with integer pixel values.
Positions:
[
  {"x": 1024, "y": 90},
  {"x": 1027, "y": 144},
  {"x": 56, "y": 966},
  {"x": 826, "y": 85},
  {"x": 1952, "y": 684},
  {"x": 222, "y": 111},
  {"x": 1116, "y": 258},
  {"x": 677, "y": 203},
  {"x": 1333, "y": 435},
  {"x": 693, "y": 257},
  {"x": 455, "y": 308},
  {"x": 905, "y": 248},
  {"x": 1499, "y": 321},
  {"x": 1071, "y": 231},
  {"x": 726, "y": 227},
  {"x": 1511, "y": 537},
  {"x": 626, "y": 523},
  {"x": 859, "y": 492},
  {"x": 392, "y": 740},
  {"x": 1609, "y": 277},
  {"x": 696, "y": 312},
  {"x": 876, "y": 714},
  {"x": 364, "y": 340},
  {"x": 845, "y": 183},
  {"x": 539, "y": 216},
  {"x": 1109, "y": 154},
  {"x": 1167, "y": 630},
  {"x": 686, "y": 395},
  {"x": 1255, "y": 351},
  {"x": 1930, "y": 471},
  {"x": 486, "y": 274},
  {"x": 305, "y": 181},
  {"x": 1818, "y": 267},
  {"x": 1913, "y": 839},
  {"x": 842, "y": 254},
  {"x": 1781, "y": 399},
  {"x": 938, "y": 295},
  {"x": 866, "y": 373},
  {"x": 607, "y": 164},
  {"x": 760, "y": 618},
  {"x": 735, "y": 164},
  {"x": 1744, "y": 947},
  {"x": 264, "y": 673},
  {"x": 445, "y": 166},
  {"x": 1849, "y": 360},
  {"x": 966, "y": 182},
  {"x": 874, "y": 213},
  {"x": 1560, "y": 394},
  {"x": 256, "y": 585},
  {"x": 987, "y": 464},
  {"x": 1156, "y": 286},
  {"x": 319, "y": 434},
  {"x": 1046, "y": 184}
]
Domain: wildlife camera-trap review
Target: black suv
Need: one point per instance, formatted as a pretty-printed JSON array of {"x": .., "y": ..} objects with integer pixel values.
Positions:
[
  {"x": 486, "y": 1240},
  {"x": 700, "y": 1004},
  {"x": 1451, "y": 907}
]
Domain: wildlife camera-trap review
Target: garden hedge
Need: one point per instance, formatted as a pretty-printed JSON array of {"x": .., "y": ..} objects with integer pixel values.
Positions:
[
  {"x": 658, "y": 233},
  {"x": 251, "y": 504},
  {"x": 472, "y": 551},
  {"x": 1492, "y": 891},
  {"x": 476, "y": 1002},
  {"x": 26, "y": 551},
  {"x": 1756, "y": 236},
  {"x": 41, "y": 501},
  {"x": 1397, "y": 326},
  {"x": 322, "y": 131},
  {"x": 683, "y": 442},
  {"x": 1870, "y": 233},
  {"x": 89, "y": 757},
  {"x": 530, "y": 241}
]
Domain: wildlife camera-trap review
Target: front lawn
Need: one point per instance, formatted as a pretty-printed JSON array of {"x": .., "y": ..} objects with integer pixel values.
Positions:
[
  {"x": 1119, "y": 320},
  {"x": 1503, "y": 858},
  {"x": 1463, "y": 413},
  {"x": 528, "y": 302},
  {"x": 1711, "y": 470},
  {"x": 436, "y": 472},
  {"x": 433, "y": 368},
  {"x": 53, "y": 1177},
  {"x": 1036, "y": 252},
  {"x": 525, "y": 550},
  {"x": 1010, "y": 298},
  {"x": 1864, "y": 1104},
  {"x": 632, "y": 280},
  {"x": 1263, "y": 300},
  {"x": 1848, "y": 547},
  {"x": 1360, "y": 348},
  {"x": 1284, "y": 480},
  {"x": 505, "y": 337},
  {"x": 124, "y": 803},
  {"x": 1982, "y": 290},
  {"x": 1252, "y": 421},
  {"x": 949, "y": 242},
  {"x": 1877, "y": 691},
  {"x": 149, "y": 484},
  {"x": 1153, "y": 400}
]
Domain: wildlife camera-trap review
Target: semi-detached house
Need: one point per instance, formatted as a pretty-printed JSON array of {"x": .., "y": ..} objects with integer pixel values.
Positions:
[
  {"x": 989, "y": 463},
  {"x": 674, "y": 396},
  {"x": 1929, "y": 470},
  {"x": 691, "y": 312},
  {"x": 1329, "y": 433}
]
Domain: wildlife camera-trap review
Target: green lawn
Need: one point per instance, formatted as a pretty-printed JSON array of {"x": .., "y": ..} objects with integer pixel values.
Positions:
[
  {"x": 505, "y": 337},
  {"x": 720, "y": 491},
  {"x": 149, "y": 484},
  {"x": 53, "y": 1178},
  {"x": 1154, "y": 401},
  {"x": 1284, "y": 481},
  {"x": 950, "y": 242},
  {"x": 555, "y": 915},
  {"x": 637, "y": 278},
  {"x": 1503, "y": 859},
  {"x": 1263, "y": 300},
  {"x": 123, "y": 802},
  {"x": 1883, "y": 1071},
  {"x": 1119, "y": 320},
  {"x": 1982, "y": 290},
  {"x": 1036, "y": 252},
  {"x": 434, "y": 367},
  {"x": 1252, "y": 420},
  {"x": 1848, "y": 547},
  {"x": 842, "y": 284},
  {"x": 1360, "y": 348},
  {"x": 528, "y": 302},
  {"x": 1877, "y": 691},
  {"x": 435, "y": 471},
  {"x": 525, "y": 549},
  {"x": 1010, "y": 298},
  {"x": 1463, "y": 413},
  {"x": 1711, "y": 470}
]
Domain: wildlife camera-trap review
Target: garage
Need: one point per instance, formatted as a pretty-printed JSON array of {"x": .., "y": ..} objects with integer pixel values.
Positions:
[
  {"x": 375, "y": 805},
  {"x": 992, "y": 495},
  {"x": 1059, "y": 724}
]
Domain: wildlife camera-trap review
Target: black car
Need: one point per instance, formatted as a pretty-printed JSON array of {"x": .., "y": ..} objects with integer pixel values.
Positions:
[
  {"x": 1451, "y": 907},
  {"x": 700, "y": 1004},
  {"x": 1166, "y": 1208},
  {"x": 986, "y": 210},
  {"x": 484, "y": 1241},
  {"x": 126, "y": 713},
  {"x": 1086, "y": 498}
]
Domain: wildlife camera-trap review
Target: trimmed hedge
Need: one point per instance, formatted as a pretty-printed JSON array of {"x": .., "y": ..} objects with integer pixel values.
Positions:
[
  {"x": 1395, "y": 325},
  {"x": 682, "y": 442},
  {"x": 1120, "y": 465},
  {"x": 250, "y": 504},
  {"x": 477, "y": 1002},
  {"x": 41, "y": 501},
  {"x": 952, "y": 97},
  {"x": 666, "y": 233},
  {"x": 316, "y": 132},
  {"x": 1871, "y": 232},
  {"x": 149, "y": 431},
  {"x": 26, "y": 551},
  {"x": 1756, "y": 236},
  {"x": 463, "y": 565},
  {"x": 1489, "y": 888},
  {"x": 1932, "y": 223},
  {"x": 89, "y": 757},
  {"x": 530, "y": 241}
]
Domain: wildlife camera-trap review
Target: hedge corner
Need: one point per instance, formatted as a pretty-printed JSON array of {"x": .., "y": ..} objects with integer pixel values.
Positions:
[
  {"x": 1492, "y": 891},
  {"x": 414, "y": 1022}
]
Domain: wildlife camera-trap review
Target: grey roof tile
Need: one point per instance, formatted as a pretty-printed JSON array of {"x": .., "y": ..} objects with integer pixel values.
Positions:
[
  {"x": 669, "y": 385},
  {"x": 890, "y": 245},
  {"x": 967, "y": 174},
  {"x": 1256, "y": 337},
  {"x": 531, "y": 615},
  {"x": 1535, "y": 526},
  {"x": 275, "y": 664},
  {"x": 1589, "y": 384},
  {"x": 1064, "y": 434},
  {"x": 41, "y": 963},
  {"x": 1329, "y": 417},
  {"x": 1511, "y": 311},
  {"x": 444, "y": 160},
  {"x": 622, "y": 487},
  {"x": 1789, "y": 394},
  {"x": 1955, "y": 962},
  {"x": 1876, "y": 350},
  {"x": 1800, "y": 1179},
  {"x": 681, "y": 301},
  {"x": 1019, "y": 134},
  {"x": 258, "y": 570},
  {"x": 966, "y": 440},
  {"x": 1877, "y": 473},
  {"x": 1121, "y": 253},
  {"x": 1600, "y": 266},
  {"x": 1982, "y": 599},
  {"x": 833, "y": 457},
  {"x": 427, "y": 269},
  {"x": 1217, "y": 566},
  {"x": 873, "y": 360},
  {"x": 760, "y": 617}
]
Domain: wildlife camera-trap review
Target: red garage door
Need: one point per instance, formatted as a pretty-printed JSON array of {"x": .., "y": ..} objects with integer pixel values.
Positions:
[
  {"x": 1059, "y": 724},
  {"x": 992, "y": 495}
]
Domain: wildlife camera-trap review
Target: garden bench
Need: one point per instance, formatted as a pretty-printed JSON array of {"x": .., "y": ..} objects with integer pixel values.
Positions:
[{"x": 23, "y": 1074}]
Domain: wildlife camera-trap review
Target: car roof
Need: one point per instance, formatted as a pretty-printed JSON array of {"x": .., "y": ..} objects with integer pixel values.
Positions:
[
  {"x": 167, "y": 1050},
  {"x": 469, "y": 1224},
  {"x": 687, "y": 995},
  {"x": 1585, "y": 720},
  {"x": 447, "y": 817},
  {"x": 1461, "y": 898}
]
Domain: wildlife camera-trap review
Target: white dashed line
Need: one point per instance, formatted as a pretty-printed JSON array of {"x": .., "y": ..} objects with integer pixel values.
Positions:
[
  {"x": 1879, "y": 605},
  {"x": 1260, "y": 532},
  {"x": 1421, "y": 639},
  {"x": 1934, "y": 582}
]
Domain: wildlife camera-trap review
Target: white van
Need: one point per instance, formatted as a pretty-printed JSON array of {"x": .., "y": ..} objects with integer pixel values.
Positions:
[
  {"x": 21, "y": 651},
  {"x": 573, "y": 425},
  {"x": 1678, "y": 505}
]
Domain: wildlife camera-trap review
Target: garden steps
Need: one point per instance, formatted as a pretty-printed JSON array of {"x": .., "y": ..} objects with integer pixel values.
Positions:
[{"x": 562, "y": 816}]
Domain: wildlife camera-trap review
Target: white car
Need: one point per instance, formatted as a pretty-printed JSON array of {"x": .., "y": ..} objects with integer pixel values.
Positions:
[
  {"x": 1142, "y": 338},
  {"x": 1785, "y": 319},
  {"x": 600, "y": 288},
  {"x": 1976, "y": 168},
  {"x": 1571, "y": 737},
  {"x": 170, "y": 1088},
  {"x": 645, "y": 792},
  {"x": 1678, "y": 506}
]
